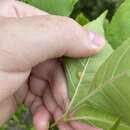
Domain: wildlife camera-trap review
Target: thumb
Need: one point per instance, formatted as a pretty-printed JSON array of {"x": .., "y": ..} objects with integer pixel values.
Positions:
[{"x": 29, "y": 41}]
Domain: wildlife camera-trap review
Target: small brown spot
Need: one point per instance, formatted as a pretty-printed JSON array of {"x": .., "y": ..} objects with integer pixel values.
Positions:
[{"x": 80, "y": 75}]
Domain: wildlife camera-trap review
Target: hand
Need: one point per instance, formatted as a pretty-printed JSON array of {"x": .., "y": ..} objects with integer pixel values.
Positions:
[{"x": 30, "y": 72}]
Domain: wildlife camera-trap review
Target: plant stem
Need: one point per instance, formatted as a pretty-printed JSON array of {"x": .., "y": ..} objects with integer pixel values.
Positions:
[
  {"x": 53, "y": 125},
  {"x": 63, "y": 118}
]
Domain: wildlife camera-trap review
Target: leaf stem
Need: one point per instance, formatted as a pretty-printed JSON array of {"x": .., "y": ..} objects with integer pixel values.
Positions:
[
  {"x": 53, "y": 125},
  {"x": 64, "y": 118}
]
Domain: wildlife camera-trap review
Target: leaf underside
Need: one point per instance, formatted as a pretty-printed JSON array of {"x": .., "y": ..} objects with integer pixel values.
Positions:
[{"x": 99, "y": 88}]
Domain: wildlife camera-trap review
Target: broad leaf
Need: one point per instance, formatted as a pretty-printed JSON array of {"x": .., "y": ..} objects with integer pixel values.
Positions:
[
  {"x": 105, "y": 99},
  {"x": 119, "y": 28},
  {"x": 113, "y": 84},
  {"x": 56, "y": 7},
  {"x": 80, "y": 72},
  {"x": 110, "y": 92}
]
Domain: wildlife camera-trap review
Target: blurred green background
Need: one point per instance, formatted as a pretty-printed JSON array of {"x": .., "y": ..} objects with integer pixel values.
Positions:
[{"x": 93, "y": 8}]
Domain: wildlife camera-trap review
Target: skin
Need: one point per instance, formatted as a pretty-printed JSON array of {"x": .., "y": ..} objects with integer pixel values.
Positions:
[{"x": 31, "y": 72}]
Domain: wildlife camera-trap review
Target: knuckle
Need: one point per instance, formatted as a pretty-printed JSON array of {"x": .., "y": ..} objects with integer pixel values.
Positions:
[
  {"x": 71, "y": 22},
  {"x": 67, "y": 21}
]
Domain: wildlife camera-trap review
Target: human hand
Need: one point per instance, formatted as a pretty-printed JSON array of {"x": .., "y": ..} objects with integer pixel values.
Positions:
[{"x": 30, "y": 72}]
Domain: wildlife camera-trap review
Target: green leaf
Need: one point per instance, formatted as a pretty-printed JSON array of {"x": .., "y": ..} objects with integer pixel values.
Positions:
[
  {"x": 110, "y": 91},
  {"x": 95, "y": 117},
  {"x": 119, "y": 28},
  {"x": 80, "y": 72},
  {"x": 108, "y": 98},
  {"x": 56, "y": 7},
  {"x": 103, "y": 98},
  {"x": 81, "y": 19}
]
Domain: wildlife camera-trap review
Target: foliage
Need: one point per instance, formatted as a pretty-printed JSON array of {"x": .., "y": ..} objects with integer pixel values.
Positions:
[
  {"x": 57, "y": 7},
  {"x": 21, "y": 120},
  {"x": 95, "y": 97},
  {"x": 93, "y": 8},
  {"x": 103, "y": 98},
  {"x": 81, "y": 19},
  {"x": 80, "y": 72},
  {"x": 119, "y": 28}
]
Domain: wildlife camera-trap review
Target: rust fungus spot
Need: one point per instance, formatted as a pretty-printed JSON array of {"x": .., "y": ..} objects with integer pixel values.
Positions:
[{"x": 80, "y": 74}]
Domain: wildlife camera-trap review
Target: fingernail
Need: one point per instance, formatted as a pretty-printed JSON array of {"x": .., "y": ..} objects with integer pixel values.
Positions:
[{"x": 96, "y": 39}]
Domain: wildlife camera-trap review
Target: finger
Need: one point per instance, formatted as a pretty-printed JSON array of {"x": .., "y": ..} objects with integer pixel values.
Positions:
[
  {"x": 37, "y": 86},
  {"x": 12, "y": 8},
  {"x": 7, "y": 108},
  {"x": 61, "y": 125},
  {"x": 59, "y": 88},
  {"x": 49, "y": 101},
  {"x": 80, "y": 126},
  {"x": 36, "y": 104},
  {"x": 52, "y": 72},
  {"x": 30, "y": 97},
  {"x": 21, "y": 94},
  {"x": 24, "y": 9},
  {"x": 41, "y": 119},
  {"x": 32, "y": 40},
  {"x": 11, "y": 82},
  {"x": 6, "y": 9}
]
